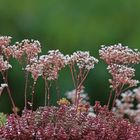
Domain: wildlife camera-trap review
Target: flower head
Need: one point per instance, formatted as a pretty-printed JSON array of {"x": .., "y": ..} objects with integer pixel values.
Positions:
[
  {"x": 119, "y": 54},
  {"x": 5, "y": 41},
  {"x": 35, "y": 69},
  {"x": 4, "y": 65},
  {"x": 29, "y": 47},
  {"x": 122, "y": 75},
  {"x": 4, "y": 46},
  {"x": 82, "y": 59},
  {"x": 52, "y": 63}
]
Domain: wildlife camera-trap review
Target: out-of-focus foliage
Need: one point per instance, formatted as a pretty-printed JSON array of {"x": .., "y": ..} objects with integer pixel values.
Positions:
[
  {"x": 69, "y": 26},
  {"x": 3, "y": 119}
]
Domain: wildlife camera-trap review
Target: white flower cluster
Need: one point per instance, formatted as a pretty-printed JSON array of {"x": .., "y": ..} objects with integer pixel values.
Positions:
[
  {"x": 36, "y": 70},
  {"x": 129, "y": 105},
  {"x": 57, "y": 58},
  {"x": 119, "y": 54},
  {"x": 5, "y": 41},
  {"x": 82, "y": 60},
  {"x": 83, "y": 95},
  {"x": 84, "y": 99},
  {"x": 4, "y": 65},
  {"x": 137, "y": 93}
]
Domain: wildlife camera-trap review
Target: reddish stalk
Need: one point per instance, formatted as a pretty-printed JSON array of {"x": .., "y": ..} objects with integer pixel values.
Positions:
[
  {"x": 113, "y": 104},
  {"x": 10, "y": 96},
  {"x": 110, "y": 96},
  {"x": 117, "y": 94},
  {"x": 25, "y": 90},
  {"x": 73, "y": 77},
  {"x": 79, "y": 88},
  {"x": 57, "y": 89},
  {"x": 46, "y": 89},
  {"x": 47, "y": 93},
  {"x": 48, "y": 96},
  {"x": 33, "y": 91}
]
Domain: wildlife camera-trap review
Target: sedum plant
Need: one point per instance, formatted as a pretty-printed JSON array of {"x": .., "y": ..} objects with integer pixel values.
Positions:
[{"x": 73, "y": 118}]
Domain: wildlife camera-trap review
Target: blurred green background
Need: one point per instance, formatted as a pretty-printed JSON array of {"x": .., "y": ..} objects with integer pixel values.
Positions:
[{"x": 69, "y": 25}]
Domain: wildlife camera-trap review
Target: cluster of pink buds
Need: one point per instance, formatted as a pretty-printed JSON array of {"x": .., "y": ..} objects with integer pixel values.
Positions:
[
  {"x": 4, "y": 65},
  {"x": 119, "y": 54},
  {"x": 4, "y": 41},
  {"x": 36, "y": 70},
  {"x": 4, "y": 46},
  {"x": 53, "y": 62},
  {"x": 47, "y": 66},
  {"x": 121, "y": 75},
  {"x": 30, "y": 48},
  {"x": 82, "y": 59}
]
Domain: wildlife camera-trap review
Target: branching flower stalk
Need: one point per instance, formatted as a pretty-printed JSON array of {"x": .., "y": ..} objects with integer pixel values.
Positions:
[
  {"x": 26, "y": 85},
  {"x": 27, "y": 48},
  {"x": 72, "y": 74},
  {"x": 78, "y": 89},
  {"x": 47, "y": 66},
  {"x": 76, "y": 79},
  {"x": 9, "y": 94},
  {"x": 6, "y": 53},
  {"x": 51, "y": 63},
  {"x": 119, "y": 58},
  {"x": 80, "y": 63},
  {"x": 32, "y": 94},
  {"x": 47, "y": 93}
]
